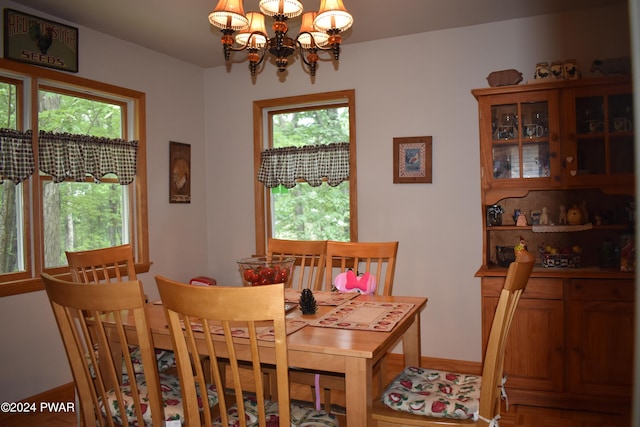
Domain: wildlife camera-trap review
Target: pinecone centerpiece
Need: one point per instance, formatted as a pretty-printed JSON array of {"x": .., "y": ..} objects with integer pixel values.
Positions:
[{"x": 308, "y": 302}]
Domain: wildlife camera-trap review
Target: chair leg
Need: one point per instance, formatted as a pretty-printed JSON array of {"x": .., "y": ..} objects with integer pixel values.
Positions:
[{"x": 327, "y": 400}]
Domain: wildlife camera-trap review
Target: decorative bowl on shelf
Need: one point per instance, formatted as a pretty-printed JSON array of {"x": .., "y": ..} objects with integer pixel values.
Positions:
[
  {"x": 567, "y": 257},
  {"x": 505, "y": 255},
  {"x": 561, "y": 260},
  {"x": 264, "y": 270}
]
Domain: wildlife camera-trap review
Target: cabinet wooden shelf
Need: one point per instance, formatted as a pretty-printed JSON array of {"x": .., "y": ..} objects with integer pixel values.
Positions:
[
  {"x": 559, "y": 228},
  {"x": 555, "y": 145},
  {"x": 588, "y": 272}
]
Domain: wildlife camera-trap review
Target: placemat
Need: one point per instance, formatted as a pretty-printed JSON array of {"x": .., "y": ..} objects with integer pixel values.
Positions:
[
  {"x": 264, "y": 333},
  {"x": 321, "y": 297},
  {"x": 364, "y": 315}
]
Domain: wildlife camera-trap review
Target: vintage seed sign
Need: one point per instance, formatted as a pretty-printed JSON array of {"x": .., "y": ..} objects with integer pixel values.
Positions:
[{"x": 39, "y": 41}]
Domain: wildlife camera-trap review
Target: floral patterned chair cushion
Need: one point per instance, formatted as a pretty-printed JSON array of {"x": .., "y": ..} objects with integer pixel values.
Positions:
[
  {"x": 300, "y": 416},
  {"x": 434, "y": 393},
  {"x": 166, "y": 359},
  {"x": 170, "y": 387}
]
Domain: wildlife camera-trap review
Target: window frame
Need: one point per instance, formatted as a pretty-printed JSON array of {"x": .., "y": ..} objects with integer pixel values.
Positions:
[
  {"x": 24, "y": 186},
  {"x": 262, "y": 139},
  {"x": 33, "y": 78}
]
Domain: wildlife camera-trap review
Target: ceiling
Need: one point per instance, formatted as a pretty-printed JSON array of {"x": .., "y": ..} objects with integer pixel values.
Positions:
[{"x": 179, "y": 28}]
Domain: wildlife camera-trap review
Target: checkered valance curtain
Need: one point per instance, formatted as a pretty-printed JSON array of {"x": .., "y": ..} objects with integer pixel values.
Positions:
[
  {"x": 64, "y": 156},
  {"x": 16, "y": 155},
  {"x": 311, "y": 163}
]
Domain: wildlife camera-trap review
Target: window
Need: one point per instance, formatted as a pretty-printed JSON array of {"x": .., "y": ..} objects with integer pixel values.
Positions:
[
  {"x": 81, "y": 215},
  {"x": 319, "y": 122},
  {"x": 12, "y": 234},
  {"x": 41, "y": 218}
]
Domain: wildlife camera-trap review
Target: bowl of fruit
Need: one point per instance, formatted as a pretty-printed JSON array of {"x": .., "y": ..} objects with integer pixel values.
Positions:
[
  {"x": 565, "y": 257},
  {"x": 256, "y": 271}
]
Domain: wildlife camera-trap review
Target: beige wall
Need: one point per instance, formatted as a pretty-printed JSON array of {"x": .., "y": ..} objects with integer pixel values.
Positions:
[{"x": 408, "y": 86}]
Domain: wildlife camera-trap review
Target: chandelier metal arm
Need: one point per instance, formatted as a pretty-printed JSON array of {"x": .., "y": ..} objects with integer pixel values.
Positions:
[
  {"x": 312, "y": 57},
  {"x": 335, "y": 39}
]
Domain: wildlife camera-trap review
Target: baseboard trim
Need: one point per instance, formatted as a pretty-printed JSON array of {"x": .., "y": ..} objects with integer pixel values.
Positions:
[
  {"x": 57, "y": 394},
  {"x": 395, "y": 363}
]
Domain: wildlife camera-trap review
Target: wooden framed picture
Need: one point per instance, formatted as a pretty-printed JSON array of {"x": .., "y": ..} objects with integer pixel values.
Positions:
[
  {"x": 179, "y": 172},
  {"x": 412, "y": 161},
  {"x": 39, "y": 41}
]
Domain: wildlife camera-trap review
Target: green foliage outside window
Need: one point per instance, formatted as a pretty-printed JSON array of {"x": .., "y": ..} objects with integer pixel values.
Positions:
[
  {"x": 9, "y": 215},
  {"x": 80, "y": 216},
  {"x": 305, "y": 212}
]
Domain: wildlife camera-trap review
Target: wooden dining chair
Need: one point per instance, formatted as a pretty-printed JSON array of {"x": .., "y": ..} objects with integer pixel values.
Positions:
[
  {"x": 308, "y": 274},
  {"x": 104, "y": 265},
  {"x": 113, "y": 264},
  {"x": 421, "y": 396},
  {"x": 310, "y": 260},
  {"x": 192, "y": 311},
  {"x": 110, "y": 391},
  {"x": 375, "y": 258}
]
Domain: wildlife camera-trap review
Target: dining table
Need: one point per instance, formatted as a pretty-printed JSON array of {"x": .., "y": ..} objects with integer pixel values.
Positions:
[{"x": 343, "y": 350}]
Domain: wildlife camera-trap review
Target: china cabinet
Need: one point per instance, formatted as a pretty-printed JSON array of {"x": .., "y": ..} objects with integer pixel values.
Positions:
[{"x": 557, "y": 175}]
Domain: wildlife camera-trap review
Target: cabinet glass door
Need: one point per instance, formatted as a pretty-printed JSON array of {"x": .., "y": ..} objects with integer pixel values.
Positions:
[
  {"x": 604, "y": 136},
  {"x": 520, "y": 140},
  {"x": 621, "y": 134}
]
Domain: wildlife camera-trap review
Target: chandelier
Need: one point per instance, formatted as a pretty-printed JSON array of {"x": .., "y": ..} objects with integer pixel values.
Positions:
[{"x": 319, "y": 31}]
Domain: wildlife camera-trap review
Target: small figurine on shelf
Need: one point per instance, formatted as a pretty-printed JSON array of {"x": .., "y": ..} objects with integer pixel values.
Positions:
[
  {"x": 562, "y": 216},
  {"x": 627, "y": 253},
  {"x": 308, "y": 302},
  {"x": 494, "y": 215},
  {"x": 574, "y": 215},
  {"x": 535, "y": 217},
  {"x": 522, "y": 220},
  {"x": 584, "y": 211},
  {"x": 520, "y": 246},
  {"x": 544, "y": 216},
  {"x": 597, "y": 218}
]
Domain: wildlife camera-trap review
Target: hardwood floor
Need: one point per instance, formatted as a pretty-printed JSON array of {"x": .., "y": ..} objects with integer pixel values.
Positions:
[
  {"x": 63, "y": 394},
  {"x": 517, "y": 416}
]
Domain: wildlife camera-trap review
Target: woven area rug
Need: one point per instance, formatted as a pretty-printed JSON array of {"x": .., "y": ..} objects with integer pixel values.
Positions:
[{"x": 364, "y": 315}]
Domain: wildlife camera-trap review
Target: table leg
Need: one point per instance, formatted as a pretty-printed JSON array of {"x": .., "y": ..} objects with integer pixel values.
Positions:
[
  {"x": 358, "y": 391},
  {"x": 411, "y": 343}
]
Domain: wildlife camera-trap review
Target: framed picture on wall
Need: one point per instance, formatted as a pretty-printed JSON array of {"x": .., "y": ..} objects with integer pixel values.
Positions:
[
  {"x": 39, "y": 41},
  {"x": 412, "y": 161},
  {"x": 179, "y": 172}
]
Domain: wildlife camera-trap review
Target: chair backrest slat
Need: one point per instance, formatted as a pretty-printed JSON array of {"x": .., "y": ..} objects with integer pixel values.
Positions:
[
  {"x": 104, "y": 265},
  {"x": 201, "y": 308},
  {"x": 378, "y": 258},
  {"x": 309, "y": 265},
  {"x": 95, "y": 338}
]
